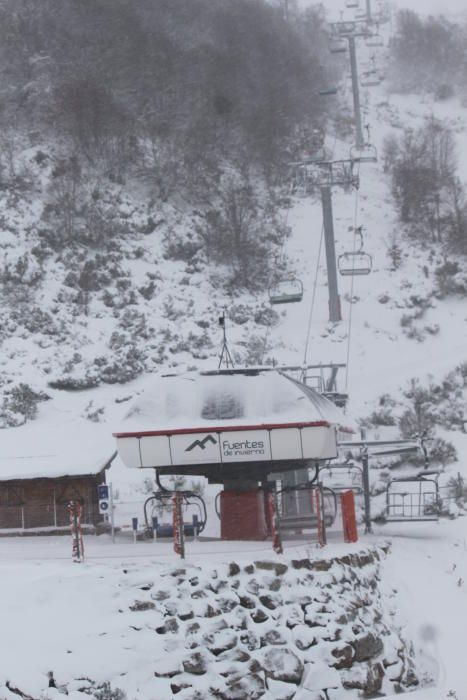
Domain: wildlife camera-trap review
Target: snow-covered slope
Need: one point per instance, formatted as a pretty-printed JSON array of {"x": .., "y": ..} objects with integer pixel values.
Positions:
[{"x": 176, "y": 324}]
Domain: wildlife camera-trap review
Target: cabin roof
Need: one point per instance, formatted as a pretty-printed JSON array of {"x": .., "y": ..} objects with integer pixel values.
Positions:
[
  {"x": 64, "y": 447},
  {"x": 228, "y": 399}
]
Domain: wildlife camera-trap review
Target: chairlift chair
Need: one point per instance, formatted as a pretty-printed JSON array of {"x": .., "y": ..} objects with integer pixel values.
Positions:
[
  {"x": 286, "y": 291},
  {"x": 374, "y": 41},
  {"x": 328, "y": 91},
  {"x": 366, "y": 154},
  {"x": 356, "y": 262},
  {"x": 360, "y": 14},
  {"x": 317, "y": 156},
  {"x": 370, "y": 79},
  {"x": 352, "y": 4},
  {"x": 342, "y": 477},
  {"x": 413, "y": 499},
  {"x": 337, "y": 45},
  {"x": 297, "y": 510},
  {"x": 161, "y": 501}
]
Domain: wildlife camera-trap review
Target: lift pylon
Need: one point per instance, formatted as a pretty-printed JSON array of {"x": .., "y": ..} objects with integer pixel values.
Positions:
[
  {"x": 351, "y": 31},
  {"x": 325, "y": 175}
]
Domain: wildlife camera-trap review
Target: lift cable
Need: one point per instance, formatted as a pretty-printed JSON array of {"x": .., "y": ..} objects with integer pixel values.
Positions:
[
  {"x": 272, "y": 273},
  {"x": 312, "y": 306},
  {"x": 349, "y": 331}
]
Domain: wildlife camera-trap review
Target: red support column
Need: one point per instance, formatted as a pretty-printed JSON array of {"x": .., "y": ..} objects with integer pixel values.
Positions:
[
  {"x": 349, "y": 521},
  {"x": 178, "y": 532}
]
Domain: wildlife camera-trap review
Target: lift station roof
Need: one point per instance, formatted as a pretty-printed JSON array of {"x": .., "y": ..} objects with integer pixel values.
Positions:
[{"x": 229, "y": 423}]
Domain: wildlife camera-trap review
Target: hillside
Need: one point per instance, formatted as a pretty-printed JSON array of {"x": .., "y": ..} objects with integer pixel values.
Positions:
[{"x": 118, "y": 254}]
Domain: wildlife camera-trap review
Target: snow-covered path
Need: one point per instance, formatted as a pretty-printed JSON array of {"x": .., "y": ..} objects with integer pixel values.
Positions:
[{"x": 428, "y": 566}]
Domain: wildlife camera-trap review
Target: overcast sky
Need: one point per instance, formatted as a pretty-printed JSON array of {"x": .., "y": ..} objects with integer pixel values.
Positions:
[{"x": 420, "y": 6}]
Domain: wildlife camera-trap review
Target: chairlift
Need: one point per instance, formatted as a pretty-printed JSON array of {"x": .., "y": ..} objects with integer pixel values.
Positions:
[
  {"x": 413, "y": 499},
  {"x": 302, "y": 181},
  {"x": 342, "y": 477},
  {"x": 312, "y": 155},
  {"x": 286, "y": 291},
  {"x": 365, "y": 154},
  {"x": 352, "y": 4},
  {"x": 160, "y": 502},
  {"x": 360, "y": 14},
  {"x": 356, "y": 262},
  {"x": 328, "y": 91},
  {"x": 370, "y": 79},
  {"x": 317, "y": 138},
  {"x": 297, "y": 511},
  {"x": 338, "y": 45},
  {"x": 374, "y": 41}
]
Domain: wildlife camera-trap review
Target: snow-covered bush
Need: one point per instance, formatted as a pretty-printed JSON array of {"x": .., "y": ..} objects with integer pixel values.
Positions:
[
  {"x": 239, "y": 227},
  {"x": 106, "y": 692},
  {"x": 451, "y": 279},
  {"x": 19, "y": 405}
]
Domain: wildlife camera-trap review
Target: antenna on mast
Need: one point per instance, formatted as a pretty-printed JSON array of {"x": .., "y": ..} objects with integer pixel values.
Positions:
[{"x": 225, "y": 355}]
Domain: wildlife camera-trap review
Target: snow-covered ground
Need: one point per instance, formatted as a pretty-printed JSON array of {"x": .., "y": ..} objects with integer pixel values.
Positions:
[{"x": 56, "y": 615}]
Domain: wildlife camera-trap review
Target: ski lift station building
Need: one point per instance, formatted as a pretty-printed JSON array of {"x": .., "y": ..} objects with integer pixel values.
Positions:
[{"x": 234, "y": 427}]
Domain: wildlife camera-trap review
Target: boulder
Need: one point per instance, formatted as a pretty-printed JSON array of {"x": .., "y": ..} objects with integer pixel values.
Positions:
[
  {"x": 195, "y": 664},
  {"x": 259, "y": 616},
  {"x": 177, "y": 687},
  {"x": 321, "y": 677},
  {"x": 167, "y": 667},
  {"x": 273, "y": 637},
  {"x": 283, "y": 665},
  {"x": 233, "y": 569},
  {"x": 279, "y": 568},
  {"x": 250, "y": 640},
  {"x": 252, "y": 586},
  {"x": 275, "y": 584},
  {"x": 374, "y": 680},
  {"x": 367, "y": 647},
  {"x": 227, "y": 603},
  {"x": 220, "y": 641},
  {"x": 141, "y": 605},
  {"x": 170, "y": 625},
  {"x": 344, "y": 655},
  {"x": 250, "y": 686},
  {"x": 295, "y": 616},
  {"x": 269, "y": 602},
  {"x": 303, "y": 637},
  {"x": 280, "y": 690},
  {"x": 199, "y": 593},
  {"x": 247, "y": 602}
]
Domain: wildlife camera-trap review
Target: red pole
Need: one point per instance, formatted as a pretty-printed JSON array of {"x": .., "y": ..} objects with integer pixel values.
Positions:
[
  {"x": 349, "y": 521},
  {"x": 274, "y": 522},
  {"x": 178, "y": 534}
]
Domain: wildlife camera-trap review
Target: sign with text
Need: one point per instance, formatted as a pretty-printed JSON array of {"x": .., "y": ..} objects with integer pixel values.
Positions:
[{"x": 245, "y": 446}]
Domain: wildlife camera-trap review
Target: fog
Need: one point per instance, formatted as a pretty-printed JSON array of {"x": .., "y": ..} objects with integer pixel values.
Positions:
[{"x": 424, "y": 7}]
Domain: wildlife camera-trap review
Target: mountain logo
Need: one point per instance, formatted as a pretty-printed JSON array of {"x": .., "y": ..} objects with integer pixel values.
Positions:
[{"x": 201, "y": 443}]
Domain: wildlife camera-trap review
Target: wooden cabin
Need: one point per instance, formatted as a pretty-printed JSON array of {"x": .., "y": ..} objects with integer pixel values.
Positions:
[{"x": 42, "y": 471}]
